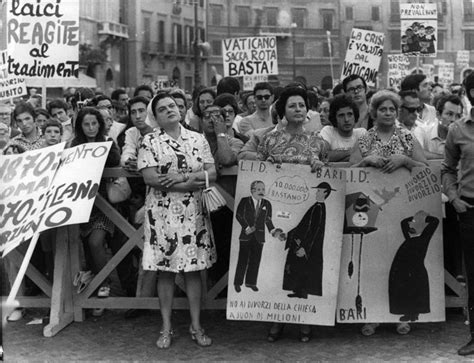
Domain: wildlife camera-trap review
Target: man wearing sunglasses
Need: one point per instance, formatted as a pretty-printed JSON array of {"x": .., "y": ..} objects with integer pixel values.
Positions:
[
  {"x": 409, "y": 109},
  {"x": 422, "y": 86},
  {"x": 261, "y": 118}
]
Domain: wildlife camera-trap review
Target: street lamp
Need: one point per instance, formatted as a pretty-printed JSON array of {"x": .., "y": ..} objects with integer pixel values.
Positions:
[{"x": 293, "y": 30}]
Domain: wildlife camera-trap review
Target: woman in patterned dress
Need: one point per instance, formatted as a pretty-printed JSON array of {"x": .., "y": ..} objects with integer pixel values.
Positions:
[
  {"x": 173, "y": 162},
  {"x": 292, "y": 144},
  {"x": 388, "y": 147}
]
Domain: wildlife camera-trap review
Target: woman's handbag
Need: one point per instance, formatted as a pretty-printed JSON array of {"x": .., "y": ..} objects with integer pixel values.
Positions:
[
  {"x": 118, "y": 190},
  {"x": 211, "y": 198}
]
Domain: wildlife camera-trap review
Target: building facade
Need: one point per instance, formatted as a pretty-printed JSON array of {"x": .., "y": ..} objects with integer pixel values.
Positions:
[
  {"x": 160, "y": 47},
  {"x": 300, "y": 27}
]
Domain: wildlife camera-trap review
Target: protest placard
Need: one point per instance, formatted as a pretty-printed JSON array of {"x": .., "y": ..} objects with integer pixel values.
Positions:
[
  {"x": 47, "y": 188},
  {"x": 428, "y": 70},
  {"x": 392, "y": 252},
  {"x": 286, "y": 243},
  {"x": 446, "y": 74},
  {"x": 43, "y": 38},
  {"x": 9, "y": 86},
  {"x": 419, "y": 29},
  {"x": 462, "y": 59},
  {"x": 397, "y": 69},
  {"x": 251, "y": 81},
  {"x": 363, "y": 55},
  {"x": 250, "y": 56}
]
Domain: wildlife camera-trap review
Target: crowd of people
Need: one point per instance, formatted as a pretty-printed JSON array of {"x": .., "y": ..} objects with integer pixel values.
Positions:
[{"x": 179, "y": 142}]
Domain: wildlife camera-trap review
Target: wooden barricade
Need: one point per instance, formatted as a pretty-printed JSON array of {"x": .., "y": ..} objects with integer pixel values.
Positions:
[{"x": 67, "y": 305}]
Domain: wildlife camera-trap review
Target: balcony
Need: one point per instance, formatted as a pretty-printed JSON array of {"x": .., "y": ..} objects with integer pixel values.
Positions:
[
  {"x": 113, "y": 29},
  {"x": 274, "y": 31},
  {"x": 168, "y": 49}
]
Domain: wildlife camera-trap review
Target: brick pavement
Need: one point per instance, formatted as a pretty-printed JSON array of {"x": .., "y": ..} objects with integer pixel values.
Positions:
[{"x": 113, "y": 338}]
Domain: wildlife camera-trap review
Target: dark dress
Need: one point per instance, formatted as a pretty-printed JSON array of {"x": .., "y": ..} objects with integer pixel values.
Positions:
[
  {"x": 304, "y": 275},
  {"x": 408, "y": 284}
]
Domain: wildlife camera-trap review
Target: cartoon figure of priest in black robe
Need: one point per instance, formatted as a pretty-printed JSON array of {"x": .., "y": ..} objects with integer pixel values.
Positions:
[
  {"x": 408, "y": 284},
  {"x": 303, "y": 273}
]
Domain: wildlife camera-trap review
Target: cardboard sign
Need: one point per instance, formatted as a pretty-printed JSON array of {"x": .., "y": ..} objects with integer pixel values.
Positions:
[
  {"x": 363, "y": 55},
  {"x": 392, "y": 252},
  {"x": 428, "y": 70},
  {"x": 47, "y": 188},
  {"x": 43, "y": 38},
  {"x": 250, "y": 56},
  {"x": 286, "y": 244},
  {"x": 397, "y": 69},
  {"x": 251, "y": 81},
  {"x": 9, "y": 86},
  {"x": 462, "y": 59},
  {"x": 419, "y": 29},
  {"x": 446, "y": 74}
]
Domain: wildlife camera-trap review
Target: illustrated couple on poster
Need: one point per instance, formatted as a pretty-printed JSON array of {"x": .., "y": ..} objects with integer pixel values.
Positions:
[{"x": 303, "y": 269}]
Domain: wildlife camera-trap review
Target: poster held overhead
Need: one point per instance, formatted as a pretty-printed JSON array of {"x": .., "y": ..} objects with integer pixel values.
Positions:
[{"x": 419, "y": 29}]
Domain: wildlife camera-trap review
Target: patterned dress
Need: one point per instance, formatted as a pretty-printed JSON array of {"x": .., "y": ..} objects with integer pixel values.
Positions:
[
  {"x": 296, "y": 149},
  {"x": 400, "y": 143},
  {"x": 176, "y": 231}
]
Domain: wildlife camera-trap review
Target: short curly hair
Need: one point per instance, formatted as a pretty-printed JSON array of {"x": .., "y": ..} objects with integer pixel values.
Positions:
[
  {"x": 285, "y": 95},
  {"x": 380, "y": 97}
]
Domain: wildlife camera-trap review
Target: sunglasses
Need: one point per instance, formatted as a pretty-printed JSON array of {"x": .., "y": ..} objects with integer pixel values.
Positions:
[
  {"x": 412, "y": 109},
  {"x": 215, "y": 113},
  {"x": 263, "y": 97}
]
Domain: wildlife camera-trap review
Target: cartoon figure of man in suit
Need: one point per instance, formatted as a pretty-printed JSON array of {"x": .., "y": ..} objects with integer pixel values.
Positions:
[{"x": 253, "y": 214}]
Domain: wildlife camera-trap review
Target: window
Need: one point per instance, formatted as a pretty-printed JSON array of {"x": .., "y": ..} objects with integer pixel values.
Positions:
[
  {"x": 442, "y": 10},
  {"x": 299, "y": 17},
  {"x": 327, "y": 20},
  {"x": 375, "y": 13},
  {"x": 395, "y": 39},
  {"x": 349, "y": 13},
  {"x": 468, "y": 10},
  {"x": 216, "y": 14},
  {"x": 271, "y": 15},
  {"x": 394, "y": 11},
  {"x": 243, "y": 14},
  {"x": 161, "y": 35},
  {"x": 299, "y": 49},
  {"x": 216, "y": 46},
  {"x": 469, "y": 40},
  {"x": 325, "y": 49},
  {"x": 440, "y": 40},
  {"x": 179, "y": 38}
]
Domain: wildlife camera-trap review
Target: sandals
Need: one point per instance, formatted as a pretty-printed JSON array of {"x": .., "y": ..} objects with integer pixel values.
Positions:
[
  {"x": 200, "y": 337},
  {"x": 369, "y": 329},
  {"x": 305, "y": 336},
  {"x": 274, "y": 335},
  {"x": 164, "y": 341},
  {"x": 403, "y": 328}
]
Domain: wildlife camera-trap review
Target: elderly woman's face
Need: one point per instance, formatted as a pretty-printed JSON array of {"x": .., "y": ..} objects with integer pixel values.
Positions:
[
  {"x": 167, "y": 112},
  {"x": 386, "y": 113},
  {"x": 295, "y": 109}
]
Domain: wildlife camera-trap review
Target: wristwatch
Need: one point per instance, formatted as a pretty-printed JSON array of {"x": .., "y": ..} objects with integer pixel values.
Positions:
[{"x": 221, "y": 134}]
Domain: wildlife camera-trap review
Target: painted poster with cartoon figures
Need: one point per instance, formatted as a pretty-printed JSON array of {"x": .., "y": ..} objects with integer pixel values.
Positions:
[
  {"x": 286, "y": 244},
  {"x": 419, "y": 25},
  {"x": 392, "y": 253}
]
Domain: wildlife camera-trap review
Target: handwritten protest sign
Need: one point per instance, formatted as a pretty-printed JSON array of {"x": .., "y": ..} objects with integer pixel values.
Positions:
[
  {"x": 285, "y": 253},
  {"x": 462, "y": 59},
  {"x": 251, "y": 81},
  {"x": 43, "y": 38},
  {"x": 428, "y": 70},
  {"x": 250, "y": 56},
  {"x": 392, "y": 257},
  {"x": 9, "y": 86},
  {"x": 38, "y": 193},
  {"x": 446, "y": 74},
  {"x": 363, "y": 55},
  {"x": 419, "y": 27},
  {"x": 397, "y": 69}
]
